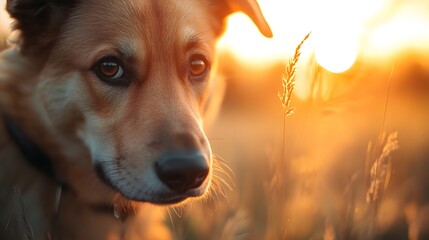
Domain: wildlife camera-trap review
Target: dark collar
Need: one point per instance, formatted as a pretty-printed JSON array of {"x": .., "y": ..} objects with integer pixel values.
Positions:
[
  {"x": 31, "y": 152},
  {"x": 41, "y": 161}
]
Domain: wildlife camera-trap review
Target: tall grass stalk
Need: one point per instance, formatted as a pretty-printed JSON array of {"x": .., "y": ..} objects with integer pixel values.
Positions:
[
  {"x": 379, "y": 170},
  {"x": 288, "y": 84},
  {"x": 386, "y": 100},
  {"x": 379, "y": 176}
]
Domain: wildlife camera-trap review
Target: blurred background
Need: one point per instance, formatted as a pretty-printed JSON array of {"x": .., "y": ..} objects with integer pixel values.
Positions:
[{"x": 352, "y": 161}]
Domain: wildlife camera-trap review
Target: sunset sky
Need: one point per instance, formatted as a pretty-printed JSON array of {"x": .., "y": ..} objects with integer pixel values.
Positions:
[{"x": 341, "y": 30}]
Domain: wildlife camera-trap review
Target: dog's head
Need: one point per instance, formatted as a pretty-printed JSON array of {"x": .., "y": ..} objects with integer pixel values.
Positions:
[{"x": 129, "y": 80}]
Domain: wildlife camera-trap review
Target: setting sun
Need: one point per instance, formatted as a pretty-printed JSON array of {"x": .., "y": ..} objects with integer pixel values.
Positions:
[
  {"x": 341, "y": 29},
  {"x": 336, "y": 51},
  {"x": 138, "y": 119},
  {"x": 335, "y": 40}
]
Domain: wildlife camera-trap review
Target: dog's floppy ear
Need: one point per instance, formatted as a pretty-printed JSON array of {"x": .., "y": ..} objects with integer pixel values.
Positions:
[
  {"x": 38, "y": 21},
  {"x": 249, "y": 7}
]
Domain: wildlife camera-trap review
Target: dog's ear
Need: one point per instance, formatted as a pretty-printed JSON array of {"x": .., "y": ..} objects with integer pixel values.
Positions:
[
  {"x": 249, "y": 7},
  {"x": 38, "y": 21}
]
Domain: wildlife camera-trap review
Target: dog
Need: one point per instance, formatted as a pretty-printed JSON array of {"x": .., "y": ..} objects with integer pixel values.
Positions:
[{"x": 102, "y": 106}]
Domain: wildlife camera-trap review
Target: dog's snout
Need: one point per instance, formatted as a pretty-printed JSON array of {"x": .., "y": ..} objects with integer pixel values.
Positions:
[{"x": 182, "y": 171}]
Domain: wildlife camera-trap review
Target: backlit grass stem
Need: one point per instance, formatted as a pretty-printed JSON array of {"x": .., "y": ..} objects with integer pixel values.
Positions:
[{"x": 288, "y": 84}]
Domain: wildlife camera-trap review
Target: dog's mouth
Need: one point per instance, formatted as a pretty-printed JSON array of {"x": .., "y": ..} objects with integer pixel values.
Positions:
[
  {"x": 170, "y": 199},
  {"x": 172, "y": 187}
]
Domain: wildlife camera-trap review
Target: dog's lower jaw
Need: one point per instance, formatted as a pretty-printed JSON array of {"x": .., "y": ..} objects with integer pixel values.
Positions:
[{"x": 163, "y": 197}]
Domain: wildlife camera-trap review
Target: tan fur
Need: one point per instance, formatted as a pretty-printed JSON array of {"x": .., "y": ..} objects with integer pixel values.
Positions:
[{"x": 48, "y": 87}]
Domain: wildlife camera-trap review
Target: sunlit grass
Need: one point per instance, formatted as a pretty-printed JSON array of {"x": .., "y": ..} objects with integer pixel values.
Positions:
[
  {"x": 339, "y": 174},
  {"x": 327, "y": 183}
]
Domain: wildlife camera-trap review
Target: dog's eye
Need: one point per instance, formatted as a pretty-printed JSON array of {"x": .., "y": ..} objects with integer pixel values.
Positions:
[
  {"x": 198, "y": 65},
  {"x": 110, "y": 70}
]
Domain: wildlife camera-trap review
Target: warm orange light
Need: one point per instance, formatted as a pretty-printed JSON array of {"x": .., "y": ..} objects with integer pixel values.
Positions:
[
  {"x": 341, "y": 30},
  {"x": 336, "y": 51},
  {"x": 407, "y": 28},
  {"x": 243, "y": 39},
  {"x": 5, "y": 21},
  {"x": 335, "y": 24}
]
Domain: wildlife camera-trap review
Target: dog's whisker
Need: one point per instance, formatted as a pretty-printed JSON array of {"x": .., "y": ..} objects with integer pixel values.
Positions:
[
  {"x": 85, "y": 92},
  {"x": 220, "y": 163},
  {"x": 172, "y": 223},
  {"x": 174, "y": 208},
  {"x": 213, "y": 192},
  {"x": 211, "y": 195},
  {"x": 222, "y": 182},
  {"x": 220, "y": 190}
]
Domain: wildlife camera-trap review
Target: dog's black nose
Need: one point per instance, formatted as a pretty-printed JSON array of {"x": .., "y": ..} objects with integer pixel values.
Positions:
[{"x": 182, "y": 171}]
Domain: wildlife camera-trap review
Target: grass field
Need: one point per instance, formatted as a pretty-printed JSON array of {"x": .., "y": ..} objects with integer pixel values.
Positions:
[
  {"x": 352, "y": 166},
  {"x": 351, "y": 162}
]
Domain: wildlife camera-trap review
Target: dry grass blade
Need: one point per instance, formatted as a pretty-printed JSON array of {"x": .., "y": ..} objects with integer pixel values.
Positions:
[
  {"x": 379, "y": 174},
  {"x": 379, "y": 171},
  {"x": 379, "y": 165},
  {"x": 288, "y": 79},
  {"x": 288, "y": 84}
]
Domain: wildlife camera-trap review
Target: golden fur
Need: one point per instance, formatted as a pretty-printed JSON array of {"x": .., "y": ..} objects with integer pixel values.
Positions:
[{"x": 49, "y": 88}]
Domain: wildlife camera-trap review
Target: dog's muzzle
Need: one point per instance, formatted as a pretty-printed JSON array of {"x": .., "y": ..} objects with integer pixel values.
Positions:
[{"x": 182, "y": 171}]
